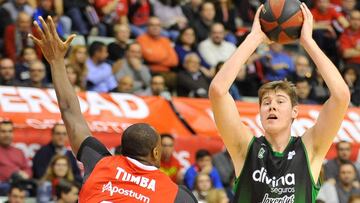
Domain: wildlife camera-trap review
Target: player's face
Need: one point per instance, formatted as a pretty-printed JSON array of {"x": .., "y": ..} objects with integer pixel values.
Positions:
[
  {"x": 276, "y": 112},
  {"x": 61, "y": 168},
  {"x": 17, "y": 196}
]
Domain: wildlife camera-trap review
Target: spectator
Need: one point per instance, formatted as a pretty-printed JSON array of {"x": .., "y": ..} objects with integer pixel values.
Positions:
[
  {"x": 171, "y": 16},
  {"x": 139, "y": 15},
  {"x": 202, "y": 165},
  {"x": 77, "y": 58},
  {"x": 217, "y": 196},
  {"x": 202, "y": 186},
  {"x": 324, "y": 32},
  {"x": 67, "y": 192},
  {"x": 53, "y": 8},
  {"x": 12, "y": 160},
  {"x": 215, "y": 49},
  {"x": 99, "y": 76},
  {"x": 185, "y": 44},
  {"x": 157, "y": 88},
  {"x": 37, "y": 76},
  {"x": 7, "y": 73},
  {"x": 347, "y": 6},
  {"x": 15, "y": 7},
  {"x": 16, "y": 37},
  {"x": 320, "y": 90},
  {"x": 58, "y": 169},
  {"x": 349, "y": 40},
  {"x": 203, "y": 24},
  {"x": 158, "y": 52},
  {"x": 331, "y": 168},
  {"x": 169, "y": 164},
  {"x": 112, "y": 12},
  {"x": 222, "y": 162},
  {"x": 191, "y": 82},
  {"x": 351, "y": 77},
  {"x": 191, "y": 10},
  {"x": 302, "y": 69},
  {"x": 125, "y": 84},
  {"x": 341, "y": 191},
  {"x": 56, "y": 146},
  {"x": 74, "y": 77},
  {"x": 226, "y": 14},
  {"x": 22, "y": 66},
  {"x": 234, "y": 91},
  {"x": 16, "y": 194},
  {"x": 278, "y": 64},
  {"x": 79, "y": 11},
  {"x": 303, "y": 91},
  {"x": 133, "y": 66},
  {"x": 117, "y": 49}
]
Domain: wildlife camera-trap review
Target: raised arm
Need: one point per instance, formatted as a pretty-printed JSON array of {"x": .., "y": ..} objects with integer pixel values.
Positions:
[
  {"x": 54, "y": 50},
  {"x": 319, "y": 138},
  {"x": 235, "y": 134}
]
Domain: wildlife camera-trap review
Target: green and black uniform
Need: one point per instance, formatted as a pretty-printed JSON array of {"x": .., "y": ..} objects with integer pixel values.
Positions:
[{"x": 272, "y": 177}]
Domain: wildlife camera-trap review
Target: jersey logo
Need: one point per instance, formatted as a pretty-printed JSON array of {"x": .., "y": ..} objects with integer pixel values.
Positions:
[
  {"x": 261, "y": 153},
  {"x": 291, "y": 155}
]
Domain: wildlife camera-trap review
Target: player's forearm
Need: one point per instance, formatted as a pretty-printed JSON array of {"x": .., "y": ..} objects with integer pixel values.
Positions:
[
  {"x": 222, "y": 81},
  {"x": 65, "y": 93},
  {"x": 336, "y": 84}
]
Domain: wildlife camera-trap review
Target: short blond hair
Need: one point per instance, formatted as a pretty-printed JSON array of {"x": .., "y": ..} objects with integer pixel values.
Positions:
[{"x": 286, "y": 86}]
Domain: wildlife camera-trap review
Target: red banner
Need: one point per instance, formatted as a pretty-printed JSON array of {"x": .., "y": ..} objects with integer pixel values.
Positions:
[{"x": 34, "y": 112}]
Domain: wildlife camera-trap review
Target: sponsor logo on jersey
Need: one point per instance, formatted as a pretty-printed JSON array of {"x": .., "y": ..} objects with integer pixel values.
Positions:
[
  {"x": 291, "y": 155},
  {"x": 262, "y": 177},
  {"x": 284, "y": 199},
  {"x": 113, "y": 189},
  {"x": 261, "y": 153}
]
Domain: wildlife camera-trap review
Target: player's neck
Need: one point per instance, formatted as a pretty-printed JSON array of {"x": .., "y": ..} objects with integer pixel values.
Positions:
[{"x": 278, "y": 142}]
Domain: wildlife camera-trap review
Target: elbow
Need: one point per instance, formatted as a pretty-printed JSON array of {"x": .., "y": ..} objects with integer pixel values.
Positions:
[
  {"x": 343, "y": 96},
  {"x": 215, "y": 90}
]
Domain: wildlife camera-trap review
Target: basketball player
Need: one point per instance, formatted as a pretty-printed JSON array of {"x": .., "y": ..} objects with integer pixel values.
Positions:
[
  {"x": 132, "y": 177},
  {"x": 277, "y": 167}
]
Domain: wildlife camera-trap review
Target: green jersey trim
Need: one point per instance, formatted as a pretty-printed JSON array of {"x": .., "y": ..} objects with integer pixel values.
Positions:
[
  {"x": 247, "y": 154},
  {"x": 315, "y": 186},
  {"x": 280, "y": 154}
]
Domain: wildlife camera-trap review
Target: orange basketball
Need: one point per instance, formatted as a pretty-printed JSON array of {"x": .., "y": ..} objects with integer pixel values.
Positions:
[{"x": 281, "y": 20}]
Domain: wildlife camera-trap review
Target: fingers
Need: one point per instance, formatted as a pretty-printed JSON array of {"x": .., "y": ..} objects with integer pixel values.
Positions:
[
  {"x": 36, "y": 40},
  {"x": 45, "y": 28},
  {"x": 69, "y": 40},
  {"x": 39, "y": 30},
  {"x": 257, "y": 14},
  {"x": 52, "y": 26}
]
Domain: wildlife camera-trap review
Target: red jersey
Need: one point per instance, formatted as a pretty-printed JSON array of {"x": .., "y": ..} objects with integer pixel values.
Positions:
[
  {"x": 329, "y": 15},
  {"x": 122, "y": 179},
  {"x": 171, "y": 168},
  {"x": 350, "y": 40}
]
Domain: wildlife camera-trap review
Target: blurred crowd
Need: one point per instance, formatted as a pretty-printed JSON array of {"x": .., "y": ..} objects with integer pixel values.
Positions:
[
  {"x": 167, "y": 48},
  {"x": 173, "y": 48}
]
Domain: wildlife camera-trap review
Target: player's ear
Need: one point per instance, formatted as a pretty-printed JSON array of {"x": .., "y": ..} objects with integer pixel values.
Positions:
[{"x": 295, "y": 112}]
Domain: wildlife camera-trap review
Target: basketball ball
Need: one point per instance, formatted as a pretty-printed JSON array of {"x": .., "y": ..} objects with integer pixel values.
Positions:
[{"x": 281, "y": 20}]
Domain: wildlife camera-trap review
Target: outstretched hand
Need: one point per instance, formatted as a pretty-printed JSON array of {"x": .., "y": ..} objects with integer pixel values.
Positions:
[
  {"x": 256, "y": 27},
  {"x": 307, "y": 27},
  {"x": 52, "y": 47}
]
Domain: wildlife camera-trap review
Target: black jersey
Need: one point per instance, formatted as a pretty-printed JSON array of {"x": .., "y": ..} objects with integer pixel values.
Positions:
[{"x": 272, "y": 177}]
